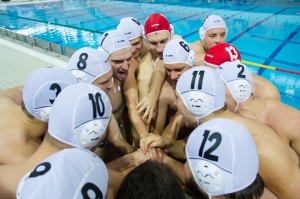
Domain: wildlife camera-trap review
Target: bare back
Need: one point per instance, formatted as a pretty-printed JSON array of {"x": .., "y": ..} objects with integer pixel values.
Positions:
[
  {"x": 20, "y": 135},
  {"x": 284, "y": 119},
  {"x": 278, "y": 162}
]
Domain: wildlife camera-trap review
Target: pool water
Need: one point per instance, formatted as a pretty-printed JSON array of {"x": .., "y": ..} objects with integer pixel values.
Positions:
[{"x": 267, "y": 35}]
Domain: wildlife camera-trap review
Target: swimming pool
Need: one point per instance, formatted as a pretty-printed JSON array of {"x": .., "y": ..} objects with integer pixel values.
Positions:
[{"x": 267, "y": 35}]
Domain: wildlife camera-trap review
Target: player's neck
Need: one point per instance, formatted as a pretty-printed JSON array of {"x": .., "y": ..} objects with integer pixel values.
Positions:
[
  {"x": 33, "y": 126},
  {"x": 249, "y": 108}
]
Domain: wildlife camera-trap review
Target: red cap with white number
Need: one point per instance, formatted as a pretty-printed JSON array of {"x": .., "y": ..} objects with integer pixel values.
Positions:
[
  {"x": 222, "y": 156},
  {"x": 221, "y": 53}
]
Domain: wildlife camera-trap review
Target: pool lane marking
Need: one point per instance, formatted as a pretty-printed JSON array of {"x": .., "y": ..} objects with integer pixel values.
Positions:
[
  {"x": 196, "y": 31},
  {"x": 278, "y": 49},
  {"x": 272, "y": 39},
  {"x": 164, "y": 13},
  {"x": 269, "y": 67}
]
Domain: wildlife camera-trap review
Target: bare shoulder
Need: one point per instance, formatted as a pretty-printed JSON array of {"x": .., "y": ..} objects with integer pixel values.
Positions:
[
  {"x": 14, "y": 94},
  {"x": 198, "y": 47},
  {"x": 263, "y": 88}
]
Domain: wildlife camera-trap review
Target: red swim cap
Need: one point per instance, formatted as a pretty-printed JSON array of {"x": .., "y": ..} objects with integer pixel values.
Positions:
[
  {"x": 155, "y": 23},
  {"x": 221, "y": 53}
]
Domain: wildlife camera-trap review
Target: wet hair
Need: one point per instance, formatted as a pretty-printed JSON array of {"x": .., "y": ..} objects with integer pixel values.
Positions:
[
  {"x": 253, "y": 191},
  {"x": 151, "y": 180}
]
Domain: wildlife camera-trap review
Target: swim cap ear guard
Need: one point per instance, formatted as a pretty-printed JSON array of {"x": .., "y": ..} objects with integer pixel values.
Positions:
[
  {"x": 241, "y": 90},
  {"x": 197, "y": 103},
  {"x": 172, "y": 29},
  {"x": 202, "y": 33},
  {"x": 91, "y": 134},
  {"x": 209, "y": 176},
  {"x": 191, "y": 58},
  {"x": 45, "y": 113},
  {"x": 81, "y": 76}
]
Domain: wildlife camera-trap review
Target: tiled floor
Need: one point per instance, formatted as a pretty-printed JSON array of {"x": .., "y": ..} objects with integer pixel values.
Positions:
[{"x": 18, "y": 60}]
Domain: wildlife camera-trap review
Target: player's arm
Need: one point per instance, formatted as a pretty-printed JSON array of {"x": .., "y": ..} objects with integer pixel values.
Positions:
[
  {"x": 174, "y": 148},
  {"x": 127, "y": 161},
  {"x": 131, "y": 97},
  {"x": 115, "y": 137},
  {"x": 175, "y": 125},
  {"x": 148, "y": 103}
]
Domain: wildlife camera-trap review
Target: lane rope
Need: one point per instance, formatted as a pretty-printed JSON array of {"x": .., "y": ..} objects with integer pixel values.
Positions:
[{"x": 270, "y": 67}]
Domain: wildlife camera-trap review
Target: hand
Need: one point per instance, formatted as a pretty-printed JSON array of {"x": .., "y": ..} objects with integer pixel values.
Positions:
[
  {"x": 139, "y": 157},
  {"x": 155, "y": 154},
  {"x": 153, "y": 141},
  {"x": 147, "y": 107}
]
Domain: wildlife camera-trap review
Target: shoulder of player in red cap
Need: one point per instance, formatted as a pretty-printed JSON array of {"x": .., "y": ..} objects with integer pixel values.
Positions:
[
  {"x": 221, "y": 53},
  {"x": 155, "y": 23}
]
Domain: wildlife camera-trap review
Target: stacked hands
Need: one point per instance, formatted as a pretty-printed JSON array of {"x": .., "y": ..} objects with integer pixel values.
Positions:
[{"x": 155, "y": 147}]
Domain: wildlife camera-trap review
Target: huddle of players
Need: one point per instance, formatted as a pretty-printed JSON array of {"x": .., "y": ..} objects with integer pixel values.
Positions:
[{"x": 204, "y": 115}]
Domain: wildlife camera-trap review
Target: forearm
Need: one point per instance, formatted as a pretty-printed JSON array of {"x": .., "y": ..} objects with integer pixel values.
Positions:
[
  {"x": 173, "y": 128},
  {"x": 176, "y": 149},
  {"x": 121, "y": 163},
  {"x": 157, "y": 79},
  {"x": 136, "y": 121},
  {"x": 123, "y": 147}
]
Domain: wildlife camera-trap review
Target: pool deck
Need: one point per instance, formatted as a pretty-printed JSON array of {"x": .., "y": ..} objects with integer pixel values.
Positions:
[{"x": 19, "y": 60}]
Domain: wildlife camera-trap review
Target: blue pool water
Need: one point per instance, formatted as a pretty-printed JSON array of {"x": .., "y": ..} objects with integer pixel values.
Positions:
[{"x": 266, "y": 35}]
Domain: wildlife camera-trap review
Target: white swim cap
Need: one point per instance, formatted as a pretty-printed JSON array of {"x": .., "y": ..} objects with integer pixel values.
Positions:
[
  {"x": 112, "y": 41},
  {"x": 212, "y": 21},
  {"x": 69, "y": 173},
  {"x": 222, "y": 156},
  {"x": 178, "y": 51},
  {"x": 130, "y": 27},
  {"x": 80, "y": 115},
  {"x": 41, "y": 89},
  {"x": 238, "y": 79},
  {"x": 201, "y": 90},
  {"x": 87, "y": 64}
]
